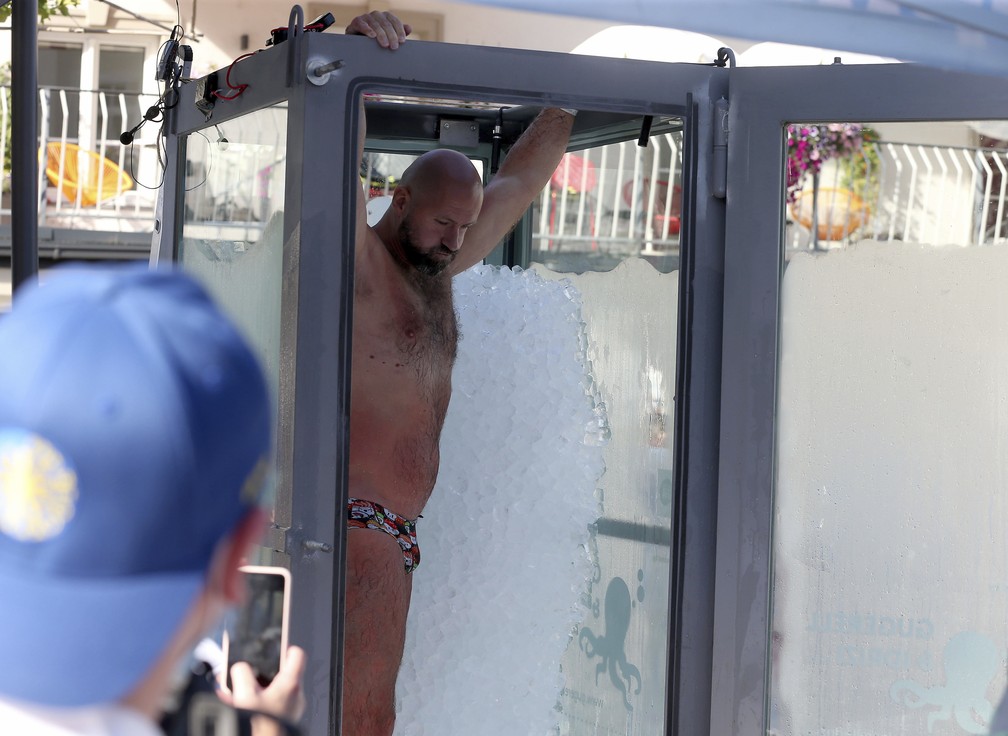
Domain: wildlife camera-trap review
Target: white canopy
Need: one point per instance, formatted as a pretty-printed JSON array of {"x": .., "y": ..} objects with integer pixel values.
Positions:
[
  {"x": 968, "y": 35},
  {"x": 651, "y": 44},
  {"x": 772, "y": 53}
]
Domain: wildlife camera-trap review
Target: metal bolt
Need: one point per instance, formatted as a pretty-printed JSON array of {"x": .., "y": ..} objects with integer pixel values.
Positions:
[
  {"x": 311, "y": 545},
  {"x": 326, "y": 68}
]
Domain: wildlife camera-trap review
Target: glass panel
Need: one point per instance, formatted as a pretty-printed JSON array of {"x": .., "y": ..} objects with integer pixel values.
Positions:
[
  {"x": 232, "y": 229},
  {"x": 891, "y": 526},
  {"x": 528, "y": 610},
  {"x": 610, "y": 203},
  {"x": 611, "y": 219}
]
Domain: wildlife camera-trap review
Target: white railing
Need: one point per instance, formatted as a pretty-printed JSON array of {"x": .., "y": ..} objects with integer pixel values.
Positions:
[
  {"x": 942, "y": 195},
  {"x": 601, "y": 199},
  {"x": 87, "y": 179},
  {"x": 619, "y": 198}
]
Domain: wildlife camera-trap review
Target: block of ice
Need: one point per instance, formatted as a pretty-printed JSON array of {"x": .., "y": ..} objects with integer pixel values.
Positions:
[{"x": 505, "y": 534}]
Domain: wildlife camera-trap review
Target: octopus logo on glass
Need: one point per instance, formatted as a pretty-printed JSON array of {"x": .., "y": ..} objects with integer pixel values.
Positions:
[
  {"x": 611, "y": 645},
  {"x": 971, "y": 661}
]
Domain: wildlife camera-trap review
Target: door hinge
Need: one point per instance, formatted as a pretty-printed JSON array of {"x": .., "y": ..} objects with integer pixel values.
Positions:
[{"x": 719, "y": 179}]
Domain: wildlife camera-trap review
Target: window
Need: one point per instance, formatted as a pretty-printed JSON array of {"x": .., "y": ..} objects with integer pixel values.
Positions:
[
  {"x": 59, "y": 78},
  {"x": 120, "y": 78}
]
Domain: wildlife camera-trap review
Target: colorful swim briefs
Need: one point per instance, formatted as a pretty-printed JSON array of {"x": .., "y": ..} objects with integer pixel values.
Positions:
[{"x": 363, "y": 514}]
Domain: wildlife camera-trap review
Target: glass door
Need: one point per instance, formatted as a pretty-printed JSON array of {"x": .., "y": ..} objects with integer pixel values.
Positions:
[
  {"x": 557, "y": 449},
  {"x": 864, "y": 404},
  {"x": 518, "y": 616},
  {"x": 232, "y": 240}
]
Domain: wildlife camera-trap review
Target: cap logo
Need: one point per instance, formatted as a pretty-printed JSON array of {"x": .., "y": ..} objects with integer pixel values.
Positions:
[{"x": 38, "y": 487}]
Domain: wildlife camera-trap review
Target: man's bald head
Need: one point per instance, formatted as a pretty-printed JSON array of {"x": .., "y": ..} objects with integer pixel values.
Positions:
[
  {"x": 441, "y": 173},
  {"x": 436, "y": 201}
]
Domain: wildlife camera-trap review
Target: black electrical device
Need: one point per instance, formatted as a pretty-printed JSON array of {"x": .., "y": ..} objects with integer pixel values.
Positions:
[
  {"x": 205, "y": 88},
  {"x": 173, "y": 67},
  {"x": 166, "y": 64},
  {"x": 279, "y": 35}
]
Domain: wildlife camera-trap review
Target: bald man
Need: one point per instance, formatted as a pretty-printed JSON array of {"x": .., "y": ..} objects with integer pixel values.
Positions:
[{"x": 440, "y": 222}]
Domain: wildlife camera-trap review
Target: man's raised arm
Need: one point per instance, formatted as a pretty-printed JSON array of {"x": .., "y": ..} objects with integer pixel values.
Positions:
[
  {"x": 389, "y": 32},
  {"x": 527, "y": 168}
]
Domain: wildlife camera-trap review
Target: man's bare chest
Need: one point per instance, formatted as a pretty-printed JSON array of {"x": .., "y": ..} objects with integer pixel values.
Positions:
[{"x": 398, "y": 327}]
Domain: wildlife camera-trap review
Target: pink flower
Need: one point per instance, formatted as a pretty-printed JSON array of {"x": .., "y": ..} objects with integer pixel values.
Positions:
[{"x": 809, "y": 146}]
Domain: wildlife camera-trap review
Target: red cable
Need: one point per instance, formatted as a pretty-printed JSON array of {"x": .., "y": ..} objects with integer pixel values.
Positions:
[
  {"x": 238, "y": 89},
  {"x": 312, "y": 27}
]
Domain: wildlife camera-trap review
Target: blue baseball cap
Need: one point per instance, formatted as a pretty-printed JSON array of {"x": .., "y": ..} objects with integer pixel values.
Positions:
[{"x": 134, "y": 436}]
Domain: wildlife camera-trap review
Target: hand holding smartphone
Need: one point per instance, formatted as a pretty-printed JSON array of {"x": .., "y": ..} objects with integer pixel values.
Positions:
[{"x": 259, "y": 633}]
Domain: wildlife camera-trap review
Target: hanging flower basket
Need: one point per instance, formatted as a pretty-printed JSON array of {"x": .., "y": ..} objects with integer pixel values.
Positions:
[
  {"x": 839, "y": 213},
  {"x": 810, "y": 146},
  {"x": 833, "y": 213}
]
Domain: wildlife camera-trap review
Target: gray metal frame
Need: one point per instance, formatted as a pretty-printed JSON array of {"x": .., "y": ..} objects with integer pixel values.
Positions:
[
  {"x": 317, "y": 295},
  {"x": 762, "y": 102},
  {"x": 698, "y": 392},
  {"x": 721, "y": 576},
  {"x": 316, "y": 282}
]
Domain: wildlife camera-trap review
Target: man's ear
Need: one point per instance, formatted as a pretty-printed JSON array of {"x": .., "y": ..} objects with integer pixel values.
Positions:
[
  {"x": 401, "y": 198},
  {"x": 232, "y": 554}
]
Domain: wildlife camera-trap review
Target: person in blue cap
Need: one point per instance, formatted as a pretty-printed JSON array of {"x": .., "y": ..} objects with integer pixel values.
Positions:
[{"x": 135, "y": 436}]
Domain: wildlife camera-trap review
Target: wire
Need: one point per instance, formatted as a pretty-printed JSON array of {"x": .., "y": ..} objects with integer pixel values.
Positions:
[
  {"x": 156, "y": 112},
  {"x": 237, "y": 89},
  {"x": 206, "y": 175},
  {"x": 166, "y": 87},
  {"x": 209, "y": 167},
  {"x": 132, "y": 169}
]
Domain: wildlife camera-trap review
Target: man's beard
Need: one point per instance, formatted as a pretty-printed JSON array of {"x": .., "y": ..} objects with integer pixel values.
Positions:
[{"x": 423, "y": 262}]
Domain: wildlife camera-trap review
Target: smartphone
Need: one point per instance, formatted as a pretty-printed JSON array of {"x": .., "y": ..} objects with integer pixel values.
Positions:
[{"x": 258, "y": 634}]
